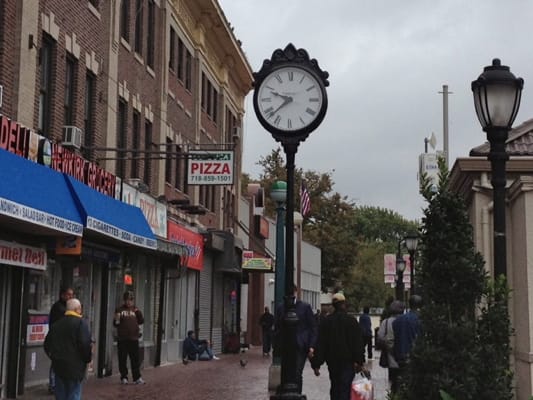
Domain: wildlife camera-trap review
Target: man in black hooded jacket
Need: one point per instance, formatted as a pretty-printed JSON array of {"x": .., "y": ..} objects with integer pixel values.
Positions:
[{"x": 341, "y": 346}]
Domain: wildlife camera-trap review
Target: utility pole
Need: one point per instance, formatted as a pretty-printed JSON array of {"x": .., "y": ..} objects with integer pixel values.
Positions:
[{"x": 446, "y": 147}]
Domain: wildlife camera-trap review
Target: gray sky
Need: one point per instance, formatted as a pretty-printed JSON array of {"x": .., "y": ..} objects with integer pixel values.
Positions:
[{"x": 387, "y": 62}]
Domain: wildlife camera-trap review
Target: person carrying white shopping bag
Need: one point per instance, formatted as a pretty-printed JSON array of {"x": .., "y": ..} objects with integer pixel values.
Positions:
[
  {"x": 362, "y": 387},
  {"x": 341, "y": 346}
]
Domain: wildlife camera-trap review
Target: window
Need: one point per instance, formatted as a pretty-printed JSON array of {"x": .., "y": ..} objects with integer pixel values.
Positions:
[
  {"x": 209, "y": 100},
  {"x": 150, "y": 38},
  {"x": 135, "y": 162},
  {"x": 179, "y": 170},
  {"x": 188, "y": 70},
  {"x": 45, "y": 90},
  {"x": 181, "y": 49},
  {"x": 121, "y": 138},
  {"x": 207, "y": 197},
  {"x": 184, "y": 66},
  {"x": 88, "y": 119},
  {"x": 172, "y": 52},
  {"x": 148, "y": 156},
  {"x": 168, "y": 161},
  {"x": 125, "y": 20},
  {"x": 70, "y": 81},
  {"x": 138, "y": 26}
]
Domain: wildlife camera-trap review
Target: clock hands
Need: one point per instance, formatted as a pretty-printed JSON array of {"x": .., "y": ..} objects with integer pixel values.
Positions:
[{"x": 286, "y": 100}]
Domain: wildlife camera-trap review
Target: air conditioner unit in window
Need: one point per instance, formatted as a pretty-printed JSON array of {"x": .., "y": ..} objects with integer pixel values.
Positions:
[
  {"x": 72, "y": 136},
  {"x": 236, "y": 135}
]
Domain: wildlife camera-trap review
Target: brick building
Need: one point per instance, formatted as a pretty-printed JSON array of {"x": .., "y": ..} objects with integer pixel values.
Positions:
[{"x": 104, "y": 106}]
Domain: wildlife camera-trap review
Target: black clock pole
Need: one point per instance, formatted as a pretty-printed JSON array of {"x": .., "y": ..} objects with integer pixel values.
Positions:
[
  {"x": 288, "y": 388},
  {"x": 290, "y": 67}
]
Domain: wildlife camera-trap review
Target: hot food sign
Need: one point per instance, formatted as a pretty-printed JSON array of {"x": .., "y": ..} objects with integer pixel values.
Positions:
[{"x": 210, "y": 168}]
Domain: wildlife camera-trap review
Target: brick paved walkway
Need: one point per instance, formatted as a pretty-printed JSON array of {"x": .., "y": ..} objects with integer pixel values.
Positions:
[{"x": 224, "y": 379}]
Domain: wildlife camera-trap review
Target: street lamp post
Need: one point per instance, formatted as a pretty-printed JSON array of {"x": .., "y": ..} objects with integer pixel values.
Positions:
[
  {"x": 411, "y": 242},
  {"x": 278, "y": 193},
  {"x": 497, "y": 94},
  {"x": 400, "y": 267}
]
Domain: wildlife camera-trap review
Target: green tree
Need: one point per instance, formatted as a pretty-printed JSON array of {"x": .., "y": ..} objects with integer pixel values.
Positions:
[{"x": 464, "y": 347}]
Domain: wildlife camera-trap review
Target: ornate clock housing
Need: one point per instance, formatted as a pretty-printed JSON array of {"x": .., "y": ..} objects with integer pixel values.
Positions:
[{"x": 290, "y": 98}]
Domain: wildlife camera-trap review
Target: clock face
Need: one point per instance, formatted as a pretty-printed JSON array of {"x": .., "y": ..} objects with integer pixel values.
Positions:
[{"x": 289, "y": 99}]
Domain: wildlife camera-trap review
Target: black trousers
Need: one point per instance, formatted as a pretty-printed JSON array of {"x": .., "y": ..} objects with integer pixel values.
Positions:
[
  {"x": 128, "y": 348},
  {"x": 368, "y": 345},
  {"x": 341, "y": 375},
  {"x": 267, "y": 341}
]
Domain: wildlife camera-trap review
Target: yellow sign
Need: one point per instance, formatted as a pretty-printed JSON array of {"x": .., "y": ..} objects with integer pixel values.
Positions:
[{"x": 254, "y": 263}]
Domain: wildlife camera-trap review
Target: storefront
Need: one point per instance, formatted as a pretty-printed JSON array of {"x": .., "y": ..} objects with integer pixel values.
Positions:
[{"x": 43, "y": 215}]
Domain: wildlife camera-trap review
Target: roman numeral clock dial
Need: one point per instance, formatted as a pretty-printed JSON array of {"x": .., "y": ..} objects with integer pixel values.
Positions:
[{"x": 289, "y": 99}]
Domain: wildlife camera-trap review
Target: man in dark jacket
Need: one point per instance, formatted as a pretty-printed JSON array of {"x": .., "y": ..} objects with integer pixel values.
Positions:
[
  {"x": 193, "y": 349},
  {"x": 57, "y": 312},
  {"x": 341, "y": 346},
  {"x": 267, "y": 324},
  {"x": 306, "y": 333},
  {"x": 127, "y": 320},
  {"x": 68, "y": 344}
]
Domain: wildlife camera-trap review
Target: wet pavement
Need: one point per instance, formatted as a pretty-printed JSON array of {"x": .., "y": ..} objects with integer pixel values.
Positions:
[{"x": 222, "y": 379}]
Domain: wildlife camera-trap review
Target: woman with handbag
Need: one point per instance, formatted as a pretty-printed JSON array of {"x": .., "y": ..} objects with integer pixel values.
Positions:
[{"x": 385, "y": 342}]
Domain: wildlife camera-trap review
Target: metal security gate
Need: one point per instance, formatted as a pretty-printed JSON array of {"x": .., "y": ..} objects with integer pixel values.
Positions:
[{"x": 205, "y": 301}]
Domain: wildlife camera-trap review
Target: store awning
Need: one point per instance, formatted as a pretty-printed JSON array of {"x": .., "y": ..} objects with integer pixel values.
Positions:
[
  {"x": 110, "y": 217},
  {"x": 36, "y": 195}
]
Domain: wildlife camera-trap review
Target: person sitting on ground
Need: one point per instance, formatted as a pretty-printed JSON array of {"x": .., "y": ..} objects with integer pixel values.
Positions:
[{"x": 194, "y": 349}]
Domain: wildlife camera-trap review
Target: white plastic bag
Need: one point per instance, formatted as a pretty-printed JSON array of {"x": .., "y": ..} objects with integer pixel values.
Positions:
[{"x": 362, "y": 388}]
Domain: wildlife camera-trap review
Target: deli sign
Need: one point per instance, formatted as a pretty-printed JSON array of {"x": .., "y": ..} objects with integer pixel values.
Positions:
[
  {"x": 210, "y": 168},
  {"x": 12, "y": 253}
]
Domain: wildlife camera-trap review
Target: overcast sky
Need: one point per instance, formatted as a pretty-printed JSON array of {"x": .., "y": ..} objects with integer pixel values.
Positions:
[{"x": 387, "y": 62}]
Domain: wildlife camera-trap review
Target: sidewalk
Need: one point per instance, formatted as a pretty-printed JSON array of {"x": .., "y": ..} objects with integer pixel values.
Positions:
[{"x": 224, "y": 379}]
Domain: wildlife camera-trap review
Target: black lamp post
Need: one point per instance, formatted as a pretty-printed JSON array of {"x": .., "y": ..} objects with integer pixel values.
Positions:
[
  {"x": 400, "y": 267},
  {"x": 497, "y": 95},
  {"x": 411, "y": 242}
]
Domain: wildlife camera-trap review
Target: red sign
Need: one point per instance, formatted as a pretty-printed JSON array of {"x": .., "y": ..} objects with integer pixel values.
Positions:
[
  {"x": 12, "y": 253},
  {"x": 23, "y": 142},
  {"x": 194, "y": 242}
]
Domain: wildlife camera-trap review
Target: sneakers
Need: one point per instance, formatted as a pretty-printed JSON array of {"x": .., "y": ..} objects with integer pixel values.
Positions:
[
  {"x": 216, "y": 358},
  {"x": 139, "y": 381},
  {"x": 124, "y": 381}
]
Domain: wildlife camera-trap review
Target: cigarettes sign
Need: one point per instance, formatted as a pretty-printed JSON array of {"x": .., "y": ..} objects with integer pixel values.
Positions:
[{"x": 210, "y": 168}]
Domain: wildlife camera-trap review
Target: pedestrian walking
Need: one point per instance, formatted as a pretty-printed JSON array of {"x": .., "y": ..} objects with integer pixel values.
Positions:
[
  {"x": 57, "y": 312},
  {"x": 127, "y": 320},
  {"x": 267, "y": 325},
  {"x": 341, "y": 346},
  {"x": 386, "y": 343},
  {"x": 68, "y": 345},
  {"x": 366, "y": 327},
  {"x": 306, "y": 334},
  {"x": 406, "y": 328}
]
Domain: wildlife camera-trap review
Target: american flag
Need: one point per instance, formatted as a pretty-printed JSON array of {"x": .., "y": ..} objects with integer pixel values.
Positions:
[{"x": 305, "y": 201}]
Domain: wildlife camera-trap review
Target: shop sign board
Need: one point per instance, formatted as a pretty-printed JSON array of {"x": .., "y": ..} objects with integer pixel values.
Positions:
[
  {"x": 154, "y": 211},
  {"x": 37, "y": 329},
  {"x": 26, "y": 143},
  {"x": 210, "y": 167},
  {"x": 193, "y": 242},
  {"x": 38, "y": 217},
  {"x": 253, "y": 262},
  {"x": 21, "y": 255}
]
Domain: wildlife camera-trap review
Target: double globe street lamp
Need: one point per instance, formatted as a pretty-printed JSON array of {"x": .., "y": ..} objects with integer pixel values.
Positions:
[
  {"x": 497, "y": 94},
  {"x": 400, "y": 268}
]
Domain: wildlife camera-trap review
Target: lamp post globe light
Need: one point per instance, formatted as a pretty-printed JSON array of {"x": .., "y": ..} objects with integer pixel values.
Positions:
[
  {"x": 411, "y": 243},
  {"x": 278, "y": 193},
  {"x": 400, "y": 267},
  {"x": 290, "y": 101},
  {"x": 497, "y": 94}
]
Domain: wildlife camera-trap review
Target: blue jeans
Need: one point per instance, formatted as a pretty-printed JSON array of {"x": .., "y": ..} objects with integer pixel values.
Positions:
[
  {"x": 67, "y": 389},
  {"x": 341, "y": 375}
]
